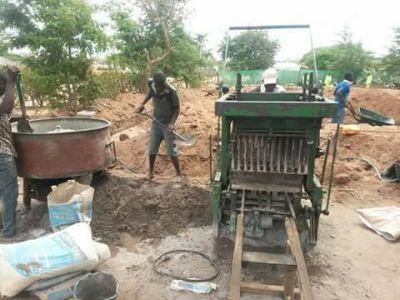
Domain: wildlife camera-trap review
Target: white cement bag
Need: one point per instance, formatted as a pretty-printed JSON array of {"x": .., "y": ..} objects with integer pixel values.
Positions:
[
  {"x": 103, "y": 251},
  {"x": 66, "y": 251},
  {"x": 385, "y": 221},
  {"x": 69, "y": 203}
]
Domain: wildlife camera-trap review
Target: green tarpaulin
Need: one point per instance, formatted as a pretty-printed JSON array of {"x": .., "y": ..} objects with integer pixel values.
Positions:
[{"x": 285, "y": 77}]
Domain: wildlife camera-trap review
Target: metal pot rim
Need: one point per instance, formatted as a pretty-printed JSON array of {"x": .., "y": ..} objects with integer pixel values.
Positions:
[{"x": 107, "y": 124}]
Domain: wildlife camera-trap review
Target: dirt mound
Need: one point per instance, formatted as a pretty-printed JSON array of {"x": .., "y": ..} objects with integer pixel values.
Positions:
[
  {"x": 146, "y": 209},
  {"x": 380, "y": 148},
  {"x": 196, "y": 117},
  {"x": 385, "y": 101},
  {"x": 121, "y": 112}
]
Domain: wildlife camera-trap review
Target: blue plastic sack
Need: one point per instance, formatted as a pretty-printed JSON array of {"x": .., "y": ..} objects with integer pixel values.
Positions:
[{"x": 70, "y": 203}]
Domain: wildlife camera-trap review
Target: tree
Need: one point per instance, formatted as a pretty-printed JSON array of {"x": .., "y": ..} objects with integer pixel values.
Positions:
[
  {"x": 156, "y": 41},
  {"x": 61, "y": 36},
  {"x": 3, "y": 45},
  {"x": 186, "y": 59},
  {"x": 391, "y": 62},
  {"x": 250, "y": 50},
  {"x": 325, "y": 56},
  {"x": 351, "y": 56},
  {"x": 346, "y": 55}
]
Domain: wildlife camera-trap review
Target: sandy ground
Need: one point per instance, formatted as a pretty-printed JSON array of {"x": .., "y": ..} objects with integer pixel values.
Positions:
[{"x": 141, "y": 220}]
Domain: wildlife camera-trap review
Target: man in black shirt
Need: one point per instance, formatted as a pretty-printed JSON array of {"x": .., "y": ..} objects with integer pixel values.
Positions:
[{"x": 166, "y": 111}]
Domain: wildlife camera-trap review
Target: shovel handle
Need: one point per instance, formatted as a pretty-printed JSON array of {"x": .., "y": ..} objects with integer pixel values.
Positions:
[
  {"x": 355, "y": 115},
  {"x": 144, "y": 112},
  {"x": 20, "y": 96}
]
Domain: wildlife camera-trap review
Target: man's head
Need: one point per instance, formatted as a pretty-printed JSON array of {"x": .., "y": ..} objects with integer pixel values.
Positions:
[
  {"x": 3, "y": 82},
  {"x": 270, "y": 79},
  {"x": 159, "y": 80},
  {"x": 349, "y": 76}
]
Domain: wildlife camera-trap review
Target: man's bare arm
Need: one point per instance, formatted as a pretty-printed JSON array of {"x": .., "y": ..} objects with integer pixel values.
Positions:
[
  {"x": 175, "y": 114},
  {"x": 9, "y": 95},
  {"x": 176, "y": 109},
  {"x": 145, "y": 100}
]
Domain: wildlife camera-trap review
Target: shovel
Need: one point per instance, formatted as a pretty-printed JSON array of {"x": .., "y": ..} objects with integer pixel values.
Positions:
[
  {"x": 353, "y": 112},
  {"x": 185, "y": 139},
  {"x": 23, "y": 123}
]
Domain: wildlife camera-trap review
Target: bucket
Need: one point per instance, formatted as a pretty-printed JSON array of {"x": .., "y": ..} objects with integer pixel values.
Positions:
[{"x": 96, "y": 286}]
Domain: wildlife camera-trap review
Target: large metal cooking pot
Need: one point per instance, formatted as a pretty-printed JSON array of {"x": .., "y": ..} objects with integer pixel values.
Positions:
[{"x": 63, "y": 147}]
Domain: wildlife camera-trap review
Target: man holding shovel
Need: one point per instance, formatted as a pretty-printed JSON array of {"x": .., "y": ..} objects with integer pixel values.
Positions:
[
  {"x": 165, "y": 113},
  {"x": 8, "y": 169}
]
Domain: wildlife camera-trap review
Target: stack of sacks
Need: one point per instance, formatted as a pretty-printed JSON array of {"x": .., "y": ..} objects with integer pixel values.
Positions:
[{"x": 69, "y": 250}]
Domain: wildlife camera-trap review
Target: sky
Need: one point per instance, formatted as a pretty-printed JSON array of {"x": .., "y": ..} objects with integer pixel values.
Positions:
[{"x": 371, "y": 22}]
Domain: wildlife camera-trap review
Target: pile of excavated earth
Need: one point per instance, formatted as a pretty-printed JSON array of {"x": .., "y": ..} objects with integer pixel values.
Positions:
[
  {"x": 154, "y": 208},
  {"x": 138, "y": 219}
]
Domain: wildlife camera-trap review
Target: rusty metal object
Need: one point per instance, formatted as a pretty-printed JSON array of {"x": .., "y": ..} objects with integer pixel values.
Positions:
[{"x": 83, "y": 148}]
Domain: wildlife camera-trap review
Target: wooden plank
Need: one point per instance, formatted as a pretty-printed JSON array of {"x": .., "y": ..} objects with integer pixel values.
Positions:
[
  {"x": 297, "y": 252},
  {"x": 237, "y": 260},
  {"x": 259, "y": 288},
  {"x": 289, "y": 281},
  {"x": 268, "y": 258}
]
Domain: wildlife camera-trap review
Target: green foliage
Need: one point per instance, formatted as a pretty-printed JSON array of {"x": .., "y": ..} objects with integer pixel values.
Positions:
[
  {"x": 40, "y": 88},
  {"x": 61, "y": 36},
  {"x": 325, "y": 56},
  {"x": 251, "y": 50},
  {"x": 346, "y": 55},
  {"x": 391, "y": 63},
  {"x": 185, "y": 60},
  {"x": 143, "y": 40},
  {"x": 3, "y": 44},
  {"x": 352, "y": 57},
  {"x": 108, "y": 84}
]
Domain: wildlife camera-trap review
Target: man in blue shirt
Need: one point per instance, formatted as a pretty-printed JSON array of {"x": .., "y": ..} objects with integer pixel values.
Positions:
[{"x": 341, "y": 93}]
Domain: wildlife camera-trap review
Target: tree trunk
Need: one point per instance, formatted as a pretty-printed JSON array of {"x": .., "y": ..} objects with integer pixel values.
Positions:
[
  {"x": 71, "y": 92},
  {"x": 152, "y": 62}
]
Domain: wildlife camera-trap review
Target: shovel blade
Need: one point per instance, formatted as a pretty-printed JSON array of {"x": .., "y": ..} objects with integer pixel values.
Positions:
[
  {"x": 185, "y": 139},
  {"x": 24, "y": 126}
]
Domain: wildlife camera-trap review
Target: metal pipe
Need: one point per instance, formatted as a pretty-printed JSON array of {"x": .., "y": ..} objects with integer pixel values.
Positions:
[
  {"x": 272, "y": 211},
  {"x": 257, "y": 145},
  {"x": 272, "y": 149},
  {"x": 265, "y": 145},
  {"x": 294, "y": 26},
  {"x": 226, "y": 50},
  {"x": 326, "y": 210},
  {"x": 314, "y": 55},
  {"x": 210, "y": 157},
  {"x": 328, "y": 144},
  {"x": 291, "y": 209},
  {"x": 245, "y": 153},
  {"x": 251, "y": 140},
  {"x": 239, "y": 153}
]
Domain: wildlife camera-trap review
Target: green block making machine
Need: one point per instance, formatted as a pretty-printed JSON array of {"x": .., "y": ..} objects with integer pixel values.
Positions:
[{"x": 268, "y": 144}]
